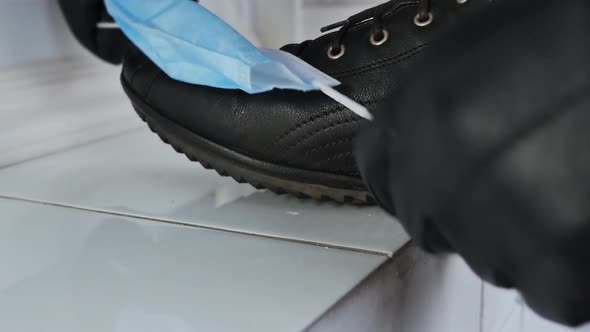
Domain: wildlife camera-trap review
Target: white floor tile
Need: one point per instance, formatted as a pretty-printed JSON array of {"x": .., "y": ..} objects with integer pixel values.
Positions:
[
  {"x": 138, "y": 175},
  {"x": 366, "y": 228},
  {"x": 501, "y": 308},
  {"x": 414, "y": 292},
  {"x": 514, "y": 322},
  {"x": 69, "y": 270}
]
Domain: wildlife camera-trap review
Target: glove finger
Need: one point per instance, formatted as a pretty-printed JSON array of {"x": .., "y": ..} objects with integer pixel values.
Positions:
[
  {"x": 373, "y": 162},
  {"x": 375, "y": 158},
  {"x": 557, "y": 286}
]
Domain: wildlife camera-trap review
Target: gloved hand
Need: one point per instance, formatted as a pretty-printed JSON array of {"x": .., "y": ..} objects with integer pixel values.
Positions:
[
  {"x": 92, "y": 26},
  {"x": 486, "y": 151}
]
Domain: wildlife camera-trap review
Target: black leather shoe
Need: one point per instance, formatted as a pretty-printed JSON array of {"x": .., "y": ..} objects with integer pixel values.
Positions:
[
  {"x": 486, "y": 152},
  {"x": 289, "y": 141}
]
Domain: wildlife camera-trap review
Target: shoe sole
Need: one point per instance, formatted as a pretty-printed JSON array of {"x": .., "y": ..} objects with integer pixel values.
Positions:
[{"x": 261, "y": 175}]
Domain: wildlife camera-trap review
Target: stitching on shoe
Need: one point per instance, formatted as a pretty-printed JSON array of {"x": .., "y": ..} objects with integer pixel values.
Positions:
[
  {"x": 310, "y": 120},
  {"x": 348, "y": 139},
  {"x": 326, "y": 128},
  {"x": 382, "y": 62},
  {"x": 352, "y": 173},
  {"x": 343, "y": 171},
  {"x": 313, "y": 119},
  {"x": 336, "y": 156}
]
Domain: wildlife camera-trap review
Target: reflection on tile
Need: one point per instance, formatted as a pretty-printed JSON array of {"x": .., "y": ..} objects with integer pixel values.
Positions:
[
  {"x": 136, "y": 174},
  {"x": 513, "y": 322},
  {"x": 68, "y": 270},
  {"x": 52, "y": 106},
  {"x": 501, "y": 308},
  {"x": 414, "y": 292},
  {"x": 367, "y": 228}
]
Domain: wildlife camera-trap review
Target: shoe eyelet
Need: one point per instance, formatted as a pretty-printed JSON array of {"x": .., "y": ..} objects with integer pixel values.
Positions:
[
  {"x": 423, "y": 23},
  {"x": 381, "y": 41},
  {"x": 338, "y": 55}
]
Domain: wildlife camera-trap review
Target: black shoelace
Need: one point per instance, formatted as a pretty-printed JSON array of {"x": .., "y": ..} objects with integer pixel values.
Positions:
[{"x": 376, "y": 14}]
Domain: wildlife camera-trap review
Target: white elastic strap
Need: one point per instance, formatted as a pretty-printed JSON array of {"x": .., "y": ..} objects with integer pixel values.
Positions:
[
  {"x": 107, "y": 25},
  {"x": 357, "y": 108}
]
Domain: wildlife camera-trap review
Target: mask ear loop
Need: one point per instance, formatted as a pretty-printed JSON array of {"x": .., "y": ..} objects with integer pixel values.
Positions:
[
  {"x": 107, "y": 25},
  {"x": 352, "y": 105}
]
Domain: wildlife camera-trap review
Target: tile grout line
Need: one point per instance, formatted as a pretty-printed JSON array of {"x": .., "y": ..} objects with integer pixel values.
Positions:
[
  {"x": 482, "y": 304},
  {"x": 359, "y": 284},
  {"x": 100, "y": 125},
  {"x": 211, "y": 228},
  {"x": 73, "y": 147}
]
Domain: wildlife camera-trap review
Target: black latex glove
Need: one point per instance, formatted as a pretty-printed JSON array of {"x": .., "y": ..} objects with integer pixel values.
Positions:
[
  {"x": 82, "y": 17},
  {"x": 486, "y": 151}
]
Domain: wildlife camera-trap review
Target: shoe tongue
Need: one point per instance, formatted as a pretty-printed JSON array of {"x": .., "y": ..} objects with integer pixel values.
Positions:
[{"x": 296, "y": 49}]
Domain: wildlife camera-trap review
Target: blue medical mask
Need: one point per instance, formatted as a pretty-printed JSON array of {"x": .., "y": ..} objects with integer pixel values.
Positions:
[{"x": 192, "y": 45}]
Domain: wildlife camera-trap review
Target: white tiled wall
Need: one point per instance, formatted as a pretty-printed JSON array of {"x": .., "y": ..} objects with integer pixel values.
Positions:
[
  {"x": 33, "y": 30},
  {"x": 273, "y": 23}
]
